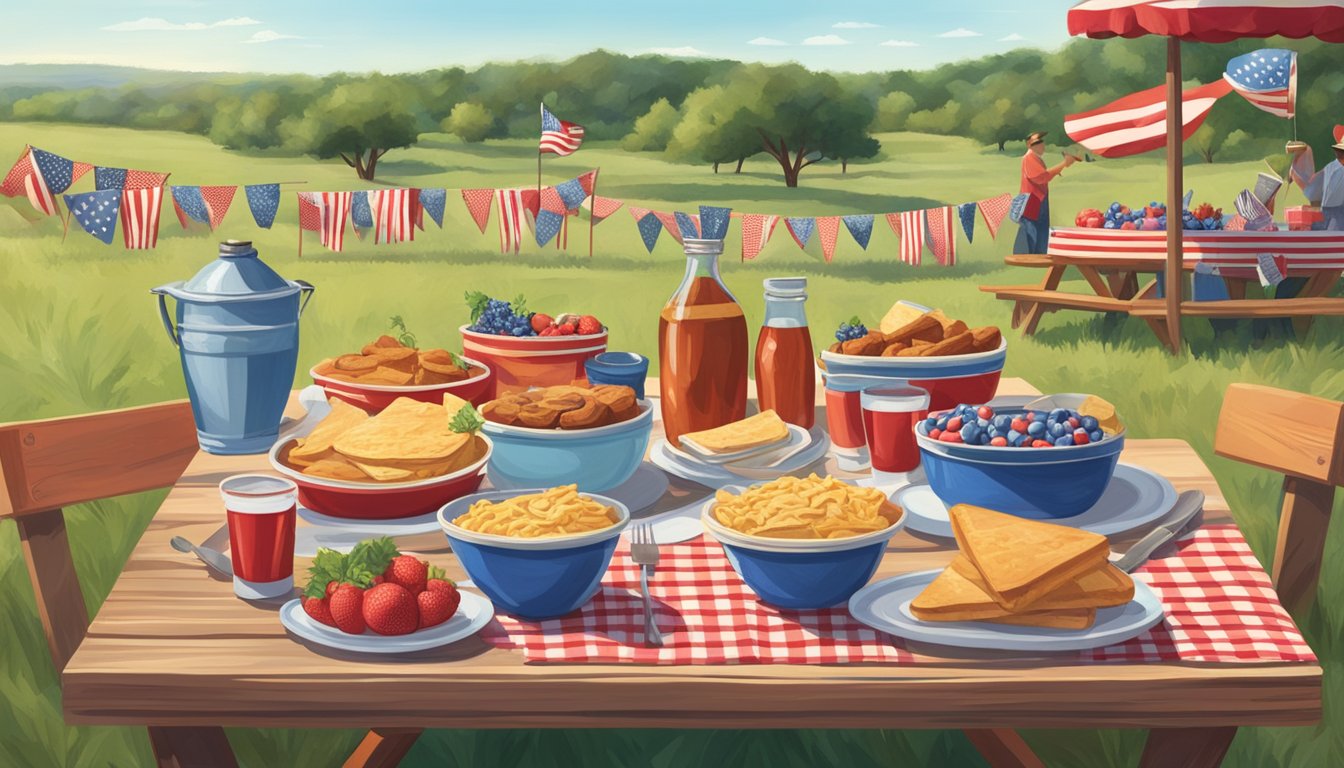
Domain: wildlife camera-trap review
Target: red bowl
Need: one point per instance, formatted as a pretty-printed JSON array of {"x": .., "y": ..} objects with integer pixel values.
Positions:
[
  {"x": 522, "y": 362},
  {"x": 373, "y": 398},
  {"x": 382, "y": 501}
]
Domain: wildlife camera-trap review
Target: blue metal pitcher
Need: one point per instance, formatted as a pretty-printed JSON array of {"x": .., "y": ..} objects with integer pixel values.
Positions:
[{"x": 237, "y": 328}]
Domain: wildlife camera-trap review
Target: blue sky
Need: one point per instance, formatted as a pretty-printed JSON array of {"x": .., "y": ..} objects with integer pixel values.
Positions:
[{"x": 408, "y": 35}]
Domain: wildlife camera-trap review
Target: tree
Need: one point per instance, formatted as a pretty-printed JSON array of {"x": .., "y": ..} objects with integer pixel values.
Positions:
[
  {"x": 469, "y": 121},
  {"x": 358, "y": 121},
  {"x": 712, "y": 129},
  {"x": 653, "y": 130},
  {"x": 1206, "y": 142},
  {"x": 893, "y": 110}
]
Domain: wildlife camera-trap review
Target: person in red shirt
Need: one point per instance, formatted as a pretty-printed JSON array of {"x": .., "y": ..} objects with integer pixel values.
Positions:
[{"x": 1034, "y": 229}]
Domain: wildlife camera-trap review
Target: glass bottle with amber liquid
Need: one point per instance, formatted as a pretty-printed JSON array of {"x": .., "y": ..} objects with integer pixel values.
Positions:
[
  {"x": 702, "y": 348},
  {"x": 785, "y": 378}
]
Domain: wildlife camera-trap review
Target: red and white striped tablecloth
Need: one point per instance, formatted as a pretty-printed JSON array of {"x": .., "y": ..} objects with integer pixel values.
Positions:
[{"x": 1300, "y": 250}]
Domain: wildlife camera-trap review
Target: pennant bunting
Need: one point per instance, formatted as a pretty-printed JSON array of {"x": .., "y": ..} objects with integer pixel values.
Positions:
[
  {"x": 361, "y": 210},
  {"x": 588, "y": 181},
  {"x": 510, "y": 219},
  {"x": 434, "y": 201},
  {"x": 994, "y": 209},
  {"x": 551, "y": 200},
  {"x": 109, "y": 178},
  {"x": 218, "y": 200},
  {"x": 478, "y": 203},
  {"x": 714, "y": 222},
  {"x": 801, "y": 229},
  {"x": 531, "y": 201},
  {"x": 650, "y": 226},
  {"x": 687, "y": 225},
  {"x": 310, "y": 214},
  {"x": 828, "y": 229},
  {"x": 669, "y": 223},
  {"x": 335, "y": 210},
  {"x": 189, "y": 205},
  {"x": 548, "y": 225},
  {"x": 140, "y": 217},
  {"x": 393, "y": 215},
  {"x": 966, "y": 211},
  {"x": 756, "y": 231},
  {"x": 942, "y": 237},
  {"x": 912, "y": 237},
  {"x": 894, "y": 221},
  {"x": 26, "y": 178},
  {"x": 571, "y": 193},
  {"x": 12, "y": 186},
  {"x": 78, "y": 171},
  {"x": 602, "y": 207},
  {"x": 52, "y": 175},
  {"x": 860, "y": 228},
  {"x": 264, "y": 202},
  {"x": 96, "y": 212}
]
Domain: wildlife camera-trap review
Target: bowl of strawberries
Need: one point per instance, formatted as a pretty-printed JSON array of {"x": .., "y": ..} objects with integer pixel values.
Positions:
[
  {"x": 528, "y": 349},
  {"x": 374, "y": 599}
]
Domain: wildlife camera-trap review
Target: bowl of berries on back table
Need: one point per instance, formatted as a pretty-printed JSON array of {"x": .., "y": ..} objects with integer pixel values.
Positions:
[{"x": 528, "y": 349}]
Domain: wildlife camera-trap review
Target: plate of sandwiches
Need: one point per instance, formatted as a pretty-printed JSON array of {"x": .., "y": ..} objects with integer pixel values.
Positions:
[
  {"x": 1014, "y": 585},
  {"x": 760, "y": 447}
]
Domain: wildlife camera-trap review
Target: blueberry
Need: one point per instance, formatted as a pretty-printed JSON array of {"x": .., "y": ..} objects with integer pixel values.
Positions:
[
  {"x": 1058, "y": 430},
  {"x": 942, "y": 421},
  {"x": 1014, "y": 437},
  {"x": 1038, "y": 416},
  {"x": 931, "y": 422},
  {"x": 984, "y": 438},
  {"x": 1096, "y": 436},
  {"x": 982, "y": 423},
  {"x": 1036, "y": 429},
  {"x": 1063, "y": 441},
  {"x": 1058, "y": 414},
  {"x": 969, "y": 432},
  {"x": 1089, "y": 423},
  {"x": 1002, "y": 423}
]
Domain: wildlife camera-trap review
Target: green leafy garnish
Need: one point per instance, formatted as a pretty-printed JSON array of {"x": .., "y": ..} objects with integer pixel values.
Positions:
[
  {"x": 467, "y": 419},
  {"x": 519, "y": 305},
  {"x": 365, "y": 560},
  {"x": 855, "y": 321},
  {"x": 477, "y": 301},
  {"x": 457, "y": 360},
  {"x": 406, "y": 338}
]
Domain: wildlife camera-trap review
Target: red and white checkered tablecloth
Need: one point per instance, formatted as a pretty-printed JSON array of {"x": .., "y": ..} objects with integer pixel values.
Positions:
[{"x": 1220, "y": 606}]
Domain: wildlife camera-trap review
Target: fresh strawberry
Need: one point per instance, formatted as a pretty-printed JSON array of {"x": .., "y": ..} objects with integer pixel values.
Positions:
[
  {"x": 331, "y": 587},
  {"x": 390, "y": 609},
  {"x": 589, "y": 325},
  {"x": 541, "y": 322},
  {"x": 549, "y": 330},
  {"x": 347, "y": 609},
  {"x": 437, "y": 605},
  {"x": 408, "y": 572},
  {"x": 433, "y": 584},
  {"x": 317, "y": 608},
  {"x": 567, "y": 330}
]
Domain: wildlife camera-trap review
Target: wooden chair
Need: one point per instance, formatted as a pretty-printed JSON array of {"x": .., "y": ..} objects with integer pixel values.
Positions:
[
  {"x": 50, "y": 464},
  {"x": 1307, "y": 446}
]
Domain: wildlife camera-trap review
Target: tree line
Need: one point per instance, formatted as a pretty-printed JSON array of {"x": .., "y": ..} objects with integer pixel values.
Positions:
[{"x": 702, "y": 111}]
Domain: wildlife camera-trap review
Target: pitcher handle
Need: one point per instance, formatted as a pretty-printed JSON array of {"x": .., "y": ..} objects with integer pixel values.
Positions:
[
  {"x": 306, "y": 288},
  {"x": 163, "y": 315}
]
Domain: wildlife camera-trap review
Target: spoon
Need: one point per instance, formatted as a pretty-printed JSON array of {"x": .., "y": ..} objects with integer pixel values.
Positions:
[{"x": 211, "y": 557}]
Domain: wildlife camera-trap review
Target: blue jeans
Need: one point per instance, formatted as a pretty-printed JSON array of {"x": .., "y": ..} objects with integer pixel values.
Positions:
[{"x": 1034, "y": 236}]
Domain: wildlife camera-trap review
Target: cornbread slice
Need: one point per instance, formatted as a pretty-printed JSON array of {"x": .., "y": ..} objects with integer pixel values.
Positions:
[{"x": 764, "y": 428}]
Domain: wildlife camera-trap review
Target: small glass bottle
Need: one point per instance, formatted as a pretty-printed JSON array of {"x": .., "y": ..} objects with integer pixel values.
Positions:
[{"x": 785, "y": 380}]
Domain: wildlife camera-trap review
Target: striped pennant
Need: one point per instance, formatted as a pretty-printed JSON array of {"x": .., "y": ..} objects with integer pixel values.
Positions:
[{"x": 912, "y": 237}]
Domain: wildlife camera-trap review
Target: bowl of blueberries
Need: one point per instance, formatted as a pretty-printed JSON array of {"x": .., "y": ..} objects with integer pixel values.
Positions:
[{"x": 1040, "y": 463}]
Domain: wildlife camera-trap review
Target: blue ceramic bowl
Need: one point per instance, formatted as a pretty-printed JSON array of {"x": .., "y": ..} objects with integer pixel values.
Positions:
[
  {"x": 801, "y": 574},
  {"x": 595, "y": 459},
  {"x": 624, "y": 368},
  {"x": 533, "y": 578},
  {"x": 1039, "y": 483}
]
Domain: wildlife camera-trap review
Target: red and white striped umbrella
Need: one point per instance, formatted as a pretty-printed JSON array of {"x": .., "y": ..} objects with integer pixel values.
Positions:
[{"x": 1209, "y": 21}]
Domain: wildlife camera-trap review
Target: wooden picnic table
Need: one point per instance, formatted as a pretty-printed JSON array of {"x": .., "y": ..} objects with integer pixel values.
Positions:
[
  {"x": 1113, "y": 261},
  {"x": 172, "y": 646}
]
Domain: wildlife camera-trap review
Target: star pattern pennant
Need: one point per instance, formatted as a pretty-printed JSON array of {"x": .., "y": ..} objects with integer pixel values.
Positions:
[
  {"x": 109, "y": 178},
  {"x": 548, "y": 225},
  {"x": 649, "y": 228},
  {"x": 860, "y": 227},
  {"x": 966, "y": 211},
  {"x": 714, "y": 222},
  {"x": 801, "y": 228},
  {"x": 434, "y": 201},
  {"x": 264, "y": 201},
  {"x": 96, "y": 212},
  {"x": 57, "y": 172},
  {"x": 571, "y": 193},
  {"x": 361, "y": 211},
  {"x": 189, "y": 205}
]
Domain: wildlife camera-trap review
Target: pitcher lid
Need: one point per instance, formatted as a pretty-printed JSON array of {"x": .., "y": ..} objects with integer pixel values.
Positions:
[{"x": 236, "y": 273}]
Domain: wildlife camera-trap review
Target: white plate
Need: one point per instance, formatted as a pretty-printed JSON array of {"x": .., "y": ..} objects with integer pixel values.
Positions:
[
  {"x": 797, "y": 437},
  {"x": 669, "y": 459},
  {"x": 885, "y": 606},
  {"x": 1135, "y": 496},
  {"x": 472, "y": 614}
]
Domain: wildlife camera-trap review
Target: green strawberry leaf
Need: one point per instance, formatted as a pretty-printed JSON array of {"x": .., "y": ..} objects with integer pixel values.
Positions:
[
  {"x": 467, "y": 419},
  {"x": 477, "y": 301},
  {"x": 328, "y": 566},
  {"x": 369, "y": 558},
  {"x": 855, "y": 320},
  {"x": 435, "y": 572},
  {"x": 457, "y": 360}
]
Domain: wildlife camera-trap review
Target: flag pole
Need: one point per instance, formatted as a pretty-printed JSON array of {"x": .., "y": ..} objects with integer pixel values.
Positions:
[{"x": 592, "y": 214}]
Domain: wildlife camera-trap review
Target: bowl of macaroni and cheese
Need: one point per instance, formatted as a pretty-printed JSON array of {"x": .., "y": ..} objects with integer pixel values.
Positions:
[
  {"x": 536, "y": 554},
  {"x": 803, "y": 542}
]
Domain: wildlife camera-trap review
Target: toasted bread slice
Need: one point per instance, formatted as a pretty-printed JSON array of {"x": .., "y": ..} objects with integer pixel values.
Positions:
[
  {"x": 1101, "y": 588},
  {"x": 1067, "y": 618},
  {"x": 754, "y": 431},
  {"x": 900, "y": 314},
  {"x": 952, "y": 597},
  {"x": 1021, "y": 561},
  {"x": 317, "y": 444}
]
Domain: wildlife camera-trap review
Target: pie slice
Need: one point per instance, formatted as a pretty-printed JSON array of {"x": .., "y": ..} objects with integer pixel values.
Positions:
[
  {"x": 952, "y": 597},
  {"x": 1101, "y": 588}
]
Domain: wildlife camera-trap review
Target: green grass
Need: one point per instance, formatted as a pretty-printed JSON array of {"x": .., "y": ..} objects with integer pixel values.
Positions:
[{"x": 80, "y": 333}]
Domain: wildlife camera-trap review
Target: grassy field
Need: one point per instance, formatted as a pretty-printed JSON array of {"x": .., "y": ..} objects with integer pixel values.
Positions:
[{"x": 79, "y": 333}]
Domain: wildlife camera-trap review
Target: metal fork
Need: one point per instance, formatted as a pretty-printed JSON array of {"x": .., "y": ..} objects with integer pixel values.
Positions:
[{"x": 644, "y": 551}]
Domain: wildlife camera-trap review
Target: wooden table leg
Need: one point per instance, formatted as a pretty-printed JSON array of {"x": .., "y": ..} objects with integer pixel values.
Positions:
[
  {"x": 1236, "y": 287},
  {"x": 1033, "y": 314},
  {"x": 191, "y": 747},
  {"x": 1003, "y": 748},
  {"x": 1186, "y": 747},
  {"x": 1317, "y": 286},
  {"x": 1093, "y": 278},
  {"x": 383, "y": 748}
]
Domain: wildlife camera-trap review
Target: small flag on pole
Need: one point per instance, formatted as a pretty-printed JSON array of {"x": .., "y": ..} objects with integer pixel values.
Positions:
[
  {"x": 1267, "y": 78},
  {"x": 557, "y": 136}
]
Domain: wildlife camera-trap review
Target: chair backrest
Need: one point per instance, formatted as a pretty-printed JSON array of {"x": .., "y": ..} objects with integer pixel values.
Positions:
[
  {"x": 1302, "y": 437},
  {"x": 50, "y": 464}
]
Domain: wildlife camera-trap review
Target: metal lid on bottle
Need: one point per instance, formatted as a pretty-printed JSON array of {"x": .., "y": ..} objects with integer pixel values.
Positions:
[
  {"x": 785, "y": 287},
  {"x": 694, "y": 246},
  {"x": 236, "y": 275}
]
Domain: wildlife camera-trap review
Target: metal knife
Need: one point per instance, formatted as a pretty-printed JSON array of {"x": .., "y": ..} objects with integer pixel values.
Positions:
[{"x": 1188, "y": 506}]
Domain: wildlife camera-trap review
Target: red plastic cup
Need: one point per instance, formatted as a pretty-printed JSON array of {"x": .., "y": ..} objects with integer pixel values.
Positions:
[
  {"x": 261, "y": 512},
  {"x": 890, "y": 414}
]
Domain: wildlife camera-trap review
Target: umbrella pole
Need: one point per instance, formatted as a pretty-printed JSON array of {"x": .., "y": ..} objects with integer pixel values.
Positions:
[{"x": 1174, "y": 277}]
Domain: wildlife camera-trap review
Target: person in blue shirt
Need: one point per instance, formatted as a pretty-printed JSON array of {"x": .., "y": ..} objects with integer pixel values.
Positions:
[{"x": 1323, "y": 188}]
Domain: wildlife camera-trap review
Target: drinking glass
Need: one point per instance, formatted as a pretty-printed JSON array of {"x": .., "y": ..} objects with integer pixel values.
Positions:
[
  {"x": 261, "y": 511},
  {"x": 890, "y": 414}
]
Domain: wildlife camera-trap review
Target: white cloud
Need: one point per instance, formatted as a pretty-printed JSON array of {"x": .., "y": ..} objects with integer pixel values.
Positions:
[
  {"x": 766, "y": 41},
  {"x": 899, "y": 44},
  {"x": 825, "y": 40},
  {"x": 854, "y": 25},
  {"x": 269, "y": 36},
  {"x": 684, "y": 51},
  {"x": 148, "y": 24},
  {"x": 1013, "y": 38},
  {"x": 960, "y": 32}
]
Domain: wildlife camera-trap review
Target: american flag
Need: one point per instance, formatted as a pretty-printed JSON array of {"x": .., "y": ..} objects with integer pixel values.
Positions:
[
  {"x": 942, "y": 237},
  {"x": 510, "y": 219},
  {"x": 1267, "y": 78},
  {"x": 912, "y": 237},
  {"x": 335, "y": 209},
  {"x": 28, "y": 176},
  {"x": 1138, "y": 122},
  {"x": 393, "y": 215},
  {"x": 96, "y": 212},
  {"x": 140, "y": 217},
  {"x": 558, "y": 136}
]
